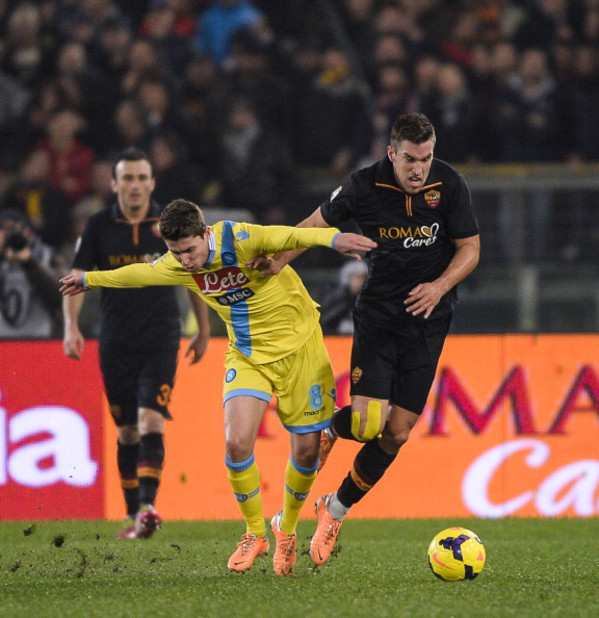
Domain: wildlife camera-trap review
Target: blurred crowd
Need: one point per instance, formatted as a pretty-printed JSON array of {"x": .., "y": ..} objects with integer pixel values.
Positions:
[{"x": 239, "y": 101}]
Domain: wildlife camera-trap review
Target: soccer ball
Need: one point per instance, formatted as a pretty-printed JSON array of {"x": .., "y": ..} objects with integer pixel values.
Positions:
[{"x": 456, "y": 554}]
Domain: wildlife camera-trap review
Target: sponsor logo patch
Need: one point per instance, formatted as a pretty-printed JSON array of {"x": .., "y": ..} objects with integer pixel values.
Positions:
[
  {"x": 223, "y": 280},
  {"x": 234, "y": 297}
]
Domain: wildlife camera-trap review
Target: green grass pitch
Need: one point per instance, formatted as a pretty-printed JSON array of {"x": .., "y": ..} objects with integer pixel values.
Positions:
[{"x": 535, "y": 567}]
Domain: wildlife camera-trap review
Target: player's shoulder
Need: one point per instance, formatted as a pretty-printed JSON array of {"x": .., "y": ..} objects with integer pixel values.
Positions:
[
  {"x": 102, "y": 217},
  {"x": 367, "y": 176},
  {"x": 441, "y": 171}
]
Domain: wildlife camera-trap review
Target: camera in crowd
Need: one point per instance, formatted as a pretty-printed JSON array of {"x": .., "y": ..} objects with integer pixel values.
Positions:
[
  {"x": 15, "y": 226},
  {"x": 16, "y": 240}
]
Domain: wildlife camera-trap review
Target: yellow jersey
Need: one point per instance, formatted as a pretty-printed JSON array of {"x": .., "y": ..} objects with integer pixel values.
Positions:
[{"x": 267, "y": 317}]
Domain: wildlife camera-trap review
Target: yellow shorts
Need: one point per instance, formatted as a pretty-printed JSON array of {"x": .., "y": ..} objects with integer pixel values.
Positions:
[{"x": 303, "y": 383}]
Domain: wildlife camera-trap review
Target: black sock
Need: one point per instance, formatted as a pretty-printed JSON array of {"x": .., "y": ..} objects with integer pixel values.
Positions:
[
  {"x": 370, "y": 465},
  {"x": 149, "y": 466},
  {"x": 127, "y": 464}
]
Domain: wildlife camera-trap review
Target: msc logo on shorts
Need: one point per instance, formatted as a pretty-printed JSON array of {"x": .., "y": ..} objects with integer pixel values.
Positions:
[{"x": 230, "y": 376}]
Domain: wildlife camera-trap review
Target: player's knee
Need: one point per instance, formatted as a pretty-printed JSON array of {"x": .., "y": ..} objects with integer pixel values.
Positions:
[
  {"x": 128, "y": 434},
  {"x": 374, "y": 422},
  {"x": 398, "y": 438},
  {"x": 395, "y": 436},
  {"x": 238, "y": 448}
]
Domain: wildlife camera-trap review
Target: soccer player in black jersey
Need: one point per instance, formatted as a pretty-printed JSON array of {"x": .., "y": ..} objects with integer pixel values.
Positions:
[
  {"x": 418, "y": 211},
  {"x": 140, "y": 333}
]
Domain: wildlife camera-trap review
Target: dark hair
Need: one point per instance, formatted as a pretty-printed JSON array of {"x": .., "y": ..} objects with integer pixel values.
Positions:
[
  {"x": 415, "y": 128},
  {"x": 131, "y": 154},
  {"x": 182, "y": 219}
]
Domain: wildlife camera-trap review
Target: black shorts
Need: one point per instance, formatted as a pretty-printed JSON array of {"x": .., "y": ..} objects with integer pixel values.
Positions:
[
  {"x": 398, "y": 365},
  {"x": 136, "y": 379}
]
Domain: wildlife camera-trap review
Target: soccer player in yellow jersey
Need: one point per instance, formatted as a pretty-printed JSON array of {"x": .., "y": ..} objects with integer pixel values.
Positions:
[{"x": 275, "y": 346}]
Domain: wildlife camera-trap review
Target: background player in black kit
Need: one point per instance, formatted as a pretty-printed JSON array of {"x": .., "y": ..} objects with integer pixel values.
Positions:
[
  {"x": 418, "y": 210},
  {"x": 140, "y": 333}
]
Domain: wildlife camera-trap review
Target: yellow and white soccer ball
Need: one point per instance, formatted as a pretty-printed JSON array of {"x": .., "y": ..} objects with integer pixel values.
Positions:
[{"x": 456, "y": 554}]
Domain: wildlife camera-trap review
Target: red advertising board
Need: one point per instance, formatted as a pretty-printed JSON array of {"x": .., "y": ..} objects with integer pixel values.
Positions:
[
  {"x": 511, "y": 428},
  {"x": 51, "y": 433}
]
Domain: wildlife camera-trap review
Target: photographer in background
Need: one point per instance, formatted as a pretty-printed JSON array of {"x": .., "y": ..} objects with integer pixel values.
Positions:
[{"x": 30, "y": 303}]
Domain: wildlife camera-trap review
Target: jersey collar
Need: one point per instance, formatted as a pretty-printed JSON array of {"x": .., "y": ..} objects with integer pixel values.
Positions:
[
  {"x": 153, "y": 212},
  {"x": 212, "y": 249}
]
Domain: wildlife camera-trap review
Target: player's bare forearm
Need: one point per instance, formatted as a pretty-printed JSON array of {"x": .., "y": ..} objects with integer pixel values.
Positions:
[
  {"x": 73, "y": 341},
  {"x": 463, "y": 262},
  {"x": 198, "y": 344},
  {"x": 426, "y": 296}
]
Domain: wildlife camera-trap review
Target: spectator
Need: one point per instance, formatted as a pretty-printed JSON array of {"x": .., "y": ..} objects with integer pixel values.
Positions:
[
  {"x": 528, "y": 113},
  {"x": 546, "y": 22},
  {"x": 159, "y": 28},
  {"x": 218, "y": 24},
  {"x": 100, "y": 192},
  {"x": 504, "y": 62},
  {"x": 13, "y": 103},
  {"x": 357, "y": 17},
  {"x": 249, "y": 74},
  {"x": 92, "y": 17},
  {"x": 112, "y": 51},
  {"x": 201, "y": 112},
  {"x": 160, "y": 106},
  {"x": 24, "y": 55},
  {"x": 143, "y": 61},
  {"x": 426, "y": 69},
  {"x": 336, "y": 312},
  {"x": 333, "y": 123},
  {"x": 585, "y": 101},
  {"x": 30, "y": 302},
  {"x": 86, "y": 90},
  {"x": 70, "y": 159},
  {"x": 174, "y": 175},
  {"x": 528, "y": 125},
  {"x": 255, "y": 167},
  {"x": 457, "y": 118},
  {"x": 42, "y": 204},
  {"x": 393, "y": 95},
  {"x": 43, "y": 102},
  {"x": 130, "y": 127}
]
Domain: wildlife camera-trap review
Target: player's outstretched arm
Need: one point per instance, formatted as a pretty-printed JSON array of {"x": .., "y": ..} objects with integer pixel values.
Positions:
[{"x": 273, "y": 265}]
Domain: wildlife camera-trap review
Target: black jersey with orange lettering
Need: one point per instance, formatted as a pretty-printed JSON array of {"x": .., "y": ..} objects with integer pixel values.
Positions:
[
  {"x": 137, "y": 317},
  {"x": 414, "y": 234}
]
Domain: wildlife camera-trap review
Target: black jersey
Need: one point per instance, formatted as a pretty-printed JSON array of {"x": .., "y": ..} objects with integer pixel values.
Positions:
[
  {"x": 143, "y": 317},
  {"x": 414, "y": 234}
]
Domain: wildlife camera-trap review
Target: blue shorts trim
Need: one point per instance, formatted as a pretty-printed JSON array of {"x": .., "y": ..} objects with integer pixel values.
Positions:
[
  {"x": 248, "y": 392},
  {"x": 309, "y": 428}
]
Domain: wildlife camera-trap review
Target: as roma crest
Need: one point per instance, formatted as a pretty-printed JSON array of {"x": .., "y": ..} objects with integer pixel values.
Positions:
[
  {"x": 432, "y": 198},
  {"x": 356, "y": 374}
]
